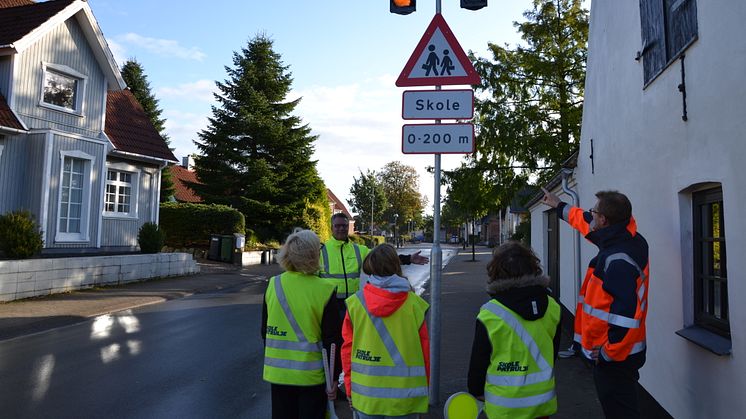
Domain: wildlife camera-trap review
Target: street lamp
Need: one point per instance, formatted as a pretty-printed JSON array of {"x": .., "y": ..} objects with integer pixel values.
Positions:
[
  {"x": 372, "y": 200},
  {"x": 396, "y": 238}
]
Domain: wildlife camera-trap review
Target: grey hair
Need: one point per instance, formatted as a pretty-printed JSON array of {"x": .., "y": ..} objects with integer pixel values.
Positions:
[{"x": 300, "y": 253}]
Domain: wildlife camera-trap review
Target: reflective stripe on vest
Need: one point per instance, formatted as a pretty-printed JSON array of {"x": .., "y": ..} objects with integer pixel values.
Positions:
[
  {"x": 302, "y": 345},
  {"x": 389, "y": 393},
  {"x": 545, "y": 370},
  {"x": 349, "y": 275},
  {"x": 636, "y": 348},
  {"x": 400, "y": 368},
  {"x": 519, "y": 401}
]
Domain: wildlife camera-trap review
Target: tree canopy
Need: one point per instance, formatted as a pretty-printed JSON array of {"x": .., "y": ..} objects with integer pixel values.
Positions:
[
  {"x": 255, "y": 155},
  {"x": 530, "y": 102},
  {"x": 401, "y": 186},
  {"x": 368, "y": 198}
]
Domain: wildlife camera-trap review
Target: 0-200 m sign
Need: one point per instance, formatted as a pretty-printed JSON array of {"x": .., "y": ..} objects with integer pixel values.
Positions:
[{"x": 437, "y": 138}]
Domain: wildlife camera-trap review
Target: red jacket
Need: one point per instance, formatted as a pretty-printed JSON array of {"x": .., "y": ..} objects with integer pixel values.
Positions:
[{"x": 381, "y": 303}]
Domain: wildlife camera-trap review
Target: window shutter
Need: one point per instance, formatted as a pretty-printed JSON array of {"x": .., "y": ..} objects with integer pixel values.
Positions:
[
  {"x": 682, "y": 25},
  {"x": 653, "y": 46}
]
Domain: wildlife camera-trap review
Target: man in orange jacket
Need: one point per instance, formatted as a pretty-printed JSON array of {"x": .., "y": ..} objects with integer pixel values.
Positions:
[{"x": 612, "y": 305}]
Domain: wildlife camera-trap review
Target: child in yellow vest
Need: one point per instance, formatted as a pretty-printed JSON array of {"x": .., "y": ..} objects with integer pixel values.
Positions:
[
  {"x": 516, "y": 338},
  {"x": 385, "y": 354}
]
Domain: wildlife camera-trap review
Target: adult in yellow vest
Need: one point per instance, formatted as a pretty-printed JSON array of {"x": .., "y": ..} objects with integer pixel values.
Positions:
[
  {"x": 341, "y": 260},
  {"x": 516, "y": 338},
  {"x": 300, "y": 314},
  {"x": 385, "y": 354}
]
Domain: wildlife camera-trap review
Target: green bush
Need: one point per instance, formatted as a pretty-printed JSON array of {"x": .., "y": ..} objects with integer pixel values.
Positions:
[
  {"x": 190, "y": 225},
  {"x": 368, "y": 241},
  {"x": 150, "y": 238},
  {"x": 20, "y": 236}
]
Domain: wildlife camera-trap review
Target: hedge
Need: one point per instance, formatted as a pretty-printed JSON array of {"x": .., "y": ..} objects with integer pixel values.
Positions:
[
  {"x": 190, "y": 225},
  {"x": 369, "y": 241}
]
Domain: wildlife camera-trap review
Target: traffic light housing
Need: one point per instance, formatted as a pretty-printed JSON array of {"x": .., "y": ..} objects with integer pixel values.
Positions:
[
  {"x": 473, "y": 4},
  {"x": 402, "y": 7}
]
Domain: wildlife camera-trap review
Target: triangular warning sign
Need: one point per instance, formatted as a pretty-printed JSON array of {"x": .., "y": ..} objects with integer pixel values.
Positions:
[{"x": 438, "y": 59}]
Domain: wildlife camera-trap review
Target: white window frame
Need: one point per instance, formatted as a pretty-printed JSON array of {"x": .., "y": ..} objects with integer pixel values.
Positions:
[
  {"x": 134, "y": 189},
  {"x": 67, "y": 72},
  {"x": 85, "y": 210}
]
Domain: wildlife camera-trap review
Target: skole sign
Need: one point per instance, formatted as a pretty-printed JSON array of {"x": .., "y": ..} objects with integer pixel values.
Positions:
[{"x": 438, "y": 104}]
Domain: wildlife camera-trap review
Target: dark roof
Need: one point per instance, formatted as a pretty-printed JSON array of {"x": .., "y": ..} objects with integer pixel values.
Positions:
[
  {"x": 14, "y": 3},
  {"x": 8, "y": 118},
  {"x": 18, "y": 18},
  {"x": 130, "y": 129},
  {"x": 180, "y": 175},
  {"x": 338, "y": 205}
]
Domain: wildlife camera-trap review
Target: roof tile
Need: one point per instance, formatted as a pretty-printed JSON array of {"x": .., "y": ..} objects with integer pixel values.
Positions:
[
  {"x": 130, "y": 129},
  {"x": 182, "y": 192},
  {"x": 8, "y": 118}
]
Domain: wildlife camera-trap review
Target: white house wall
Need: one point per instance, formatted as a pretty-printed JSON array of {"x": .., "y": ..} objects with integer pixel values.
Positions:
[
  {"x": 642, "y": 148},
  {"x": 569, "y": 278},
  {"x": 63, "y": 45}
]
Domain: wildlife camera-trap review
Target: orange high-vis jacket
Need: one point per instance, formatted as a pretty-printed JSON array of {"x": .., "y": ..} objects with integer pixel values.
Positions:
[{"x": 612, "y": 305}]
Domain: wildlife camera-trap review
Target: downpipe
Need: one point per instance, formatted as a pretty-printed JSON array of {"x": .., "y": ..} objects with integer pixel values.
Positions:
[{"x": 566, "y": 173}]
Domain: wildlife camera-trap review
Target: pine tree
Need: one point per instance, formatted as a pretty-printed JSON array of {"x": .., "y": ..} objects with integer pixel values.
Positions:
[
  {"x": 137, "y": 82},
  {"x": 255, "y": 155}
]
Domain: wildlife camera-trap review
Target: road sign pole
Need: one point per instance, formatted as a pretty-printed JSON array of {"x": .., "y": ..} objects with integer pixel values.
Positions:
[{"x": 436, "y": 264}]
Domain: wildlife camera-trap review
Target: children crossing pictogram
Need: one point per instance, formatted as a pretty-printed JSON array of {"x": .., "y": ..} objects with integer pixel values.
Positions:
[{"x": 438, "y": 60}]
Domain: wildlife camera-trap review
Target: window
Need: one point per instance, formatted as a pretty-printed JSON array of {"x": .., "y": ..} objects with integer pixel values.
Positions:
[
  {"x": 668, "y": 28},
  {"x": 63, "y": 88},
  {"x": 710, "y": 272},
  {"x": 71, "y": 204},
  {"x": 74, "y": 198},
  {"x": 118, "y": 192}
]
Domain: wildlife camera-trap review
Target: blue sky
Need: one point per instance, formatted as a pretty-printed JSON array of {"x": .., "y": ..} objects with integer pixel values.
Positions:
[{"x": 344, "y": 57}]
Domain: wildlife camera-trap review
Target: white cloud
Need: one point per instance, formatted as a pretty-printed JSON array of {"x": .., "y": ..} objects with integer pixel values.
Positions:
[
  {"x": 200, "y": 90},
  {"x": 359, "y": 129},
  {"x": 162, "y": 47},
  {"x": 182, "y": 129}
]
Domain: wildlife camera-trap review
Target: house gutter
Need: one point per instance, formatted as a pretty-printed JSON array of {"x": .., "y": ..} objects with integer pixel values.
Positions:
[
  {"x": 161, "y": 162},
  {"x": 566, "y": 173},
  {"x": 13, "y": 130}
]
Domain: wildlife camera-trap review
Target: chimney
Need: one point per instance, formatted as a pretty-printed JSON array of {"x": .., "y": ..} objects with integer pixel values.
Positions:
[{"x": 188, "y": 162}]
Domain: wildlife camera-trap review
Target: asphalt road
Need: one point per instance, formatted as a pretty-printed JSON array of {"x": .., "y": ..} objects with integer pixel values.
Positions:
[{"x": 196, "y": 357}]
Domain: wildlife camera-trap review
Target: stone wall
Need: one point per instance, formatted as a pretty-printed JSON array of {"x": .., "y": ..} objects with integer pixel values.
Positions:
[{"x": 36, "y": 277}]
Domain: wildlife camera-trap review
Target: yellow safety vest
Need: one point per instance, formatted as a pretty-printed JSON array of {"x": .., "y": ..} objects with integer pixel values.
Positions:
[
  {"x": 292, "y": 352},
  {"x": 341, "y": 263},
  {"x": 520, "y": 377},
  {"x": 388, "y": 368}
]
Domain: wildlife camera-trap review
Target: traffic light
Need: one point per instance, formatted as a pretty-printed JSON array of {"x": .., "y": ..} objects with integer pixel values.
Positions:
[
  {"x": 402, "y": 7},
  {"x": 473, "y": 4}
]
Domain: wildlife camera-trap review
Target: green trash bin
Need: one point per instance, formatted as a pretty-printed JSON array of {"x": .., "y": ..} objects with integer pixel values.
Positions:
[{"x": 226, "y": 249}]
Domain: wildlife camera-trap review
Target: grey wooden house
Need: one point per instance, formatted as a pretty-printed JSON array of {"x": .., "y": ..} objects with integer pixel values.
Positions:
[{"x": 76, "y": 149}]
